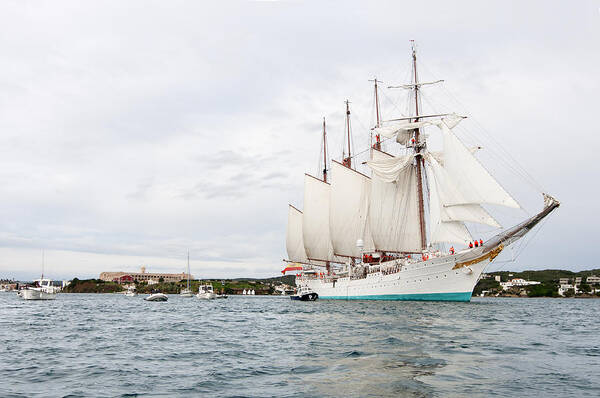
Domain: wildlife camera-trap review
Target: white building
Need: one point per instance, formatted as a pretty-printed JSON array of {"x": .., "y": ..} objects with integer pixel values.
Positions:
[
  {"x": 517, "y": 282},
  {"x": 592, "y": 279},
  {"x": 563, "y": 288}
]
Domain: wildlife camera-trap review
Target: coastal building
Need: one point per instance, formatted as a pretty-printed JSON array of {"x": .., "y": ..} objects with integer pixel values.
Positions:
[
  {"x": 142, "y": 276},
  {"x": 517, "y": 282},
  {"x": 593, "y": 279},
  {"x": 564, "y": 281},
  {"x": 564, "y": 287}
]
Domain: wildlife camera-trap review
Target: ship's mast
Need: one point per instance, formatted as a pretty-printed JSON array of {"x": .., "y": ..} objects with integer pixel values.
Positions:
[
  {"x": 418, "y": 156},
  {"x": 327, "y": 264},
  {"x": 377, "y": 104},
  {"x": 324, "y": 152},
  {"x": 348, "y": 160},
  {"x": 377, "y": 144}
]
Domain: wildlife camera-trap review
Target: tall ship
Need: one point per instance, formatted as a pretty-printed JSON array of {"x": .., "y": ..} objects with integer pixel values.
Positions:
[{"x": 402, "y": 229}]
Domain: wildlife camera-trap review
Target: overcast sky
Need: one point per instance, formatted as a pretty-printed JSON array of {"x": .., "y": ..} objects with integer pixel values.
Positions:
[{"x": 131, "y": 131}]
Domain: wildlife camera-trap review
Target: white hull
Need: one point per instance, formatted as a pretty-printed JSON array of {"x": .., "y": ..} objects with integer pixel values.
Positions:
[
  {"x": 435, "y": 279},
  {"x": 206, "y": 296},
  {"x": 36, "y": 294},
  {"x": 157, "y": 297}
]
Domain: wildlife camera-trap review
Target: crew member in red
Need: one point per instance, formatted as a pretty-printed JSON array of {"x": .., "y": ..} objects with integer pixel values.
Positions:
[
  {"x": 470, "y": 245},
  {"x": 452, "y": 250},
  {"x": 480, "y": 242},
  {"x": 476, "y": 243}
]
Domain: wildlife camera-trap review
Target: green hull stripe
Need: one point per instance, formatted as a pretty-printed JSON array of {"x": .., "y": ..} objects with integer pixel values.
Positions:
[{"x": 466, "y": 296}]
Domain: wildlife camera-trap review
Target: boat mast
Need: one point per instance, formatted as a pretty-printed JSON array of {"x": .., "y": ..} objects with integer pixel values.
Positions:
[
  {"x": 327, "y": 264},
  {"x": 42, "y": 267},
  {"x": 324, "y": 152},
  {"x": 188, "y": 275},
  {"x": 348, "y": 160},
  {"x": 377, "y": 104},
  {"x": 418, "y": 156},
  {"x": 377, "y": 144}
]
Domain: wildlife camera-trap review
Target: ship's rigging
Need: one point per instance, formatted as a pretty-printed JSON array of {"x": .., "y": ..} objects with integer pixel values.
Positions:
[{"x": 411, "y": 203}]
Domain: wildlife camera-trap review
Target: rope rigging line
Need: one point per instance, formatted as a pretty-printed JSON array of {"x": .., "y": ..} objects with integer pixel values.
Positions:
[
  {"x": 494, "y": 155},
  {"x": 510, "y": 158}
]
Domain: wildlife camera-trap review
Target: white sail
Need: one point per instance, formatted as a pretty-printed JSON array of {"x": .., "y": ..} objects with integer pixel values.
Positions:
[
  {"x": 390, "y": 169},
  {"x": 350, "y": 191},
  {"x": 315, "y": 219},
  {"x": 441, "y": 230},
  {"x": 391, "y": 130},
  {"x": 393, "y": 209},
  {"x": 294, "y": 241},
  {"x": 376, "y": 154},
  {"x": 474, "y": 181},
  {"x": 447, "y": 192}
]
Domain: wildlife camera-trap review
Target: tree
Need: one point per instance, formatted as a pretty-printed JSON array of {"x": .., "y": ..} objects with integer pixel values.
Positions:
[{"x": 584, "y": 287}]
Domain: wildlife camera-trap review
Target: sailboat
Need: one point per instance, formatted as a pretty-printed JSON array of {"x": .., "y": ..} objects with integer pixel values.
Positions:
[
  {"x": 43, "y": 289},
  {"x": 187, "y": 292},
  {"x": 385, "y": 236}
]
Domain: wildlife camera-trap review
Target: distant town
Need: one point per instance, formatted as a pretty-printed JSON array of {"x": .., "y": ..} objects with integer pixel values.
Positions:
[
  {"x": 145, "y": 282},
  {"x": 544, "y": 283}
]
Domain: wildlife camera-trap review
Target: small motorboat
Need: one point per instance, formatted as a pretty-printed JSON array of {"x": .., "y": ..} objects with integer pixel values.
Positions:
[
  {"x": 305, "y": 294},
  {"x": 222, "y": 296},
  {"x": 131, "y": 292},
  {"x": 43, "y": 290},
  {"x": 206, "y": 292},
  {"x": 157, "y": 297}
]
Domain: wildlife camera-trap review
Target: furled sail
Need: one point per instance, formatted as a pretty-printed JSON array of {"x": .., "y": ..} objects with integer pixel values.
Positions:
[
  {"x": 393, "y": 208},
  {"x": 390, "y": 131},
  {"x": 350, "y": 191},
  {"x": 294, "y": 242},
  {"x": 390, "y": 169},
  {"x": 403, "y": 131},
  {"x": 315, "y": 219},
  {"x": 474, "y": 181}
]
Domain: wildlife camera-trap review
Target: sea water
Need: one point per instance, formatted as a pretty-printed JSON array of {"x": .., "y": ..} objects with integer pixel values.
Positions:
[{"x": 109, "y": 345}]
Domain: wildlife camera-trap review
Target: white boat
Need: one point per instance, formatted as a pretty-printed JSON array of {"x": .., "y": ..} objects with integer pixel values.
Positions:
[
  {"x": 252, "y": 292},
  {"x": 43, "y": 290},
  {"x": 206, "y": 292},
  {"x": 157, "y": 297},
  {"x": 131, "y": 292},
  {"x": 187, "y": 292},
  {"x": 244, "y": 292},
  {"x": 387, "y": 236}
]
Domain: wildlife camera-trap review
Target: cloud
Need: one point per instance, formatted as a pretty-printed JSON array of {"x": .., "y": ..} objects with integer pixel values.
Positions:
[{"x": 138, "y": 130}]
